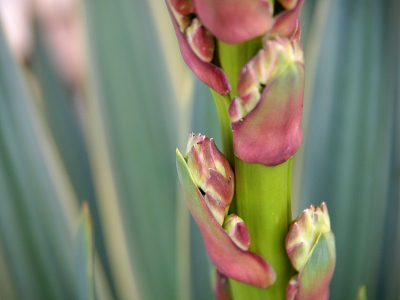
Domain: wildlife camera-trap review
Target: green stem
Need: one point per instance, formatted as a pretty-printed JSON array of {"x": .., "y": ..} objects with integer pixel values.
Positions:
[
  {"x": 263, "y": 202},
  {"x": 222, "y": 104},
  {"x": 234, "y": 57},
  {"x": 262, "y": 197}
]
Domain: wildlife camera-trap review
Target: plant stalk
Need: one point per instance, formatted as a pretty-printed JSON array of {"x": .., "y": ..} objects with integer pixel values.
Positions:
[
  {"x": 263, "y": 202},
  {"x": 262, "y": 196}
]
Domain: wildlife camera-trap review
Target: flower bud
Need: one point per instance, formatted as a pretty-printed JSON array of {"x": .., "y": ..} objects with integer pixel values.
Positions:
[
  {"x": 248, "y": 79},
  {"x": 200, "y": 40},
  {"x": 208, "y": 200},
  {"x": 197, "y": 45},
  {"x": 266, "y": 118},
  {"x": 268, "y": 64},
  {"x": 310, "y": 245},
  {"x": 210, "y": 169},
  {"x": 304, "y": 232},
  {"x": 237, "y": 109},
  {"x": 212, "y": 173},
  {"x": 238, "y": 231}
]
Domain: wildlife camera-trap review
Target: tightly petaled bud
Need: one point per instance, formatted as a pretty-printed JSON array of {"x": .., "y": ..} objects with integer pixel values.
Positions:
[
  {"x": 197, "y": 45},
  {"x": 211, "y": 172},
  {"x": 207, "y": 180},
  {"x": 310, "y": 245},
  {"x": 231, "y": 21},
  {"x": 266, "y": 117},
  {"x": 238, "y": 231},
  {"x": 268, "y": 64},
  {"x": 304, "y": 232},
  {"x": 201, "y": 40}
]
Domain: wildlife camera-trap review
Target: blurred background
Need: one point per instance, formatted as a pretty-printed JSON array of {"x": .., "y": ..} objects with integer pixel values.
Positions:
[{"x": 94, "y": 99}]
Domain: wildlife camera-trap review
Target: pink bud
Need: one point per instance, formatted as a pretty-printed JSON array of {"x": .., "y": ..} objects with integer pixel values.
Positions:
[
  {"x": 201, "y": 41},
  {"x": 238, "y": 231}
]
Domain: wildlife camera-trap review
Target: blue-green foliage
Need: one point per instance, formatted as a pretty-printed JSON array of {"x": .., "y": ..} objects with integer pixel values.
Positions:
[
  {"x": 350, "y": 154},
  {"x": 351, "y": 146}
]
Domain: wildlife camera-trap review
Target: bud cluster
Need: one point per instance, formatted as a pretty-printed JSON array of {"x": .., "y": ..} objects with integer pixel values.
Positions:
[
  {"x": 212, "y": 173},
  {"x": 304, "y": 232},
  {"x": 200, "y": 39},
  {"x": 270, "y": 62},
  {"x": 208, "y": 181},
  {"x": 310, "y": 245},
  {"x": 197, "y": 45}
]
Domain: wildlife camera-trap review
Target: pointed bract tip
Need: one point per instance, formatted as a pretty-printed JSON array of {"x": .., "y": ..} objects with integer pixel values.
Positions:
[{"x": 193, "y": 140}]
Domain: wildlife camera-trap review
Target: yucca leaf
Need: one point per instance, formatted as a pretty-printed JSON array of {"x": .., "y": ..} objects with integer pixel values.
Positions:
[
  {"x": 61, "y": 106},
  {"x": 135, "y": 172},
  {"x": 348, "y": 147},
  {"x": 36, "y": 200}
]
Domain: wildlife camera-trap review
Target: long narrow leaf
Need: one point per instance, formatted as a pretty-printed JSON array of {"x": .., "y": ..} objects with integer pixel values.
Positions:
[
  {"x": 349, "y": 134},
  {"x": 36, "y": 200}
]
